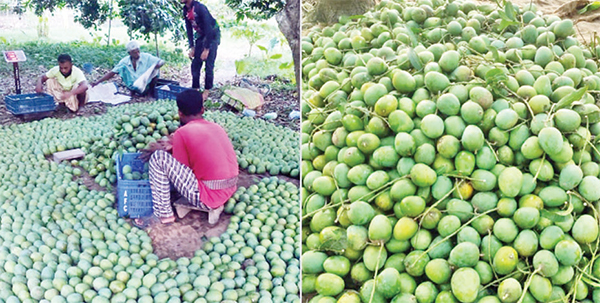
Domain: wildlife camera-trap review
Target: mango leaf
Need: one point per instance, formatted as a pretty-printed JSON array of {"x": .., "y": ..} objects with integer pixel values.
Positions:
[
  {"x": 555, "y": 217},
  {"x": 509, "y": 10},
  {"x": 285, "y": 65},
  {"x": 570, "y": 98},
  {"x": 494, "y": 76},
  {"x": 276, "y": 56},
  {"x": 441, "y": 170},
  {"x": 495, "y": 53},
  {"x": 336, "y": 241},
  {"x": 241, "y": 66},
  {"x": 506, "y": 23},
  {"x": 503, "y": 15},
  {"x": 262, "y": 48},
  {"x": 412, "y": 36},
  {"x": 590, "y": 7},
  {"x": 414, "y": 59},
  {"x": 354, "y": 17},
  {"x": 273, "y": 42}
]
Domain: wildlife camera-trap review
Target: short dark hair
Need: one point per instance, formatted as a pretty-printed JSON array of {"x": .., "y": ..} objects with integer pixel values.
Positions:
[
  {"x": 62, "y": 58},
  {"x": 190, "y": 102}
]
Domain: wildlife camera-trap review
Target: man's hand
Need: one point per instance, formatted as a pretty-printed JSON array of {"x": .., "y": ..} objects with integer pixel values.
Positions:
[
  {"x": 66, "y": 95},
  {"x": 163, "y": 144},
  {"x": 204, "y": 54},
  {"x": 94, "y": 84},
  {"x": 39, "y": 85},
  {"x": 192, "y": 52}
]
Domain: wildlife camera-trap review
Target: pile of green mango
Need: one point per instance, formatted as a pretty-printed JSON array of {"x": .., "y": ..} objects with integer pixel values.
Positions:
[{"x": 450, "y": 154}]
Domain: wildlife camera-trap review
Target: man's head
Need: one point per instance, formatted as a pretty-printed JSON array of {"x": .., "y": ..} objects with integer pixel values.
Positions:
[
  {"x": 133, "y": 48},
  {"x": 187, "y": 2},
  {"x": 190, "y": 104},
  {"x": 65, "y": 64}
]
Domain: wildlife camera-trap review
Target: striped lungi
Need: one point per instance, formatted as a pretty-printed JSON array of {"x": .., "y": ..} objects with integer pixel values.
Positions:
[{"x": 166, "y": 170}]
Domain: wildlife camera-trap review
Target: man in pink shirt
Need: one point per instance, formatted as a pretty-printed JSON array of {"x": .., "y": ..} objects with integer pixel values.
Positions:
[{"x": 198, "y": 159}]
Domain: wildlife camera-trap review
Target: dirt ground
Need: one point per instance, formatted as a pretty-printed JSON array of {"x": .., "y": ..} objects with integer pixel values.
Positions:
[
  {"x": 586, "y": 25},
  {"x": 279, "y": 96},
  {"x": 186, "y": 235}
]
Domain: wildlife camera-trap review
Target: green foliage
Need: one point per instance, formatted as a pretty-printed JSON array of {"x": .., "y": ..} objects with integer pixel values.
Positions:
[
  {"x": 263, "y": 68},
  {"x": 250, "y": 30},
  {"x": 589, "y": 8},
  {"x": 99, "y": 55},
  {"x": 4, "y": 7},
  {"x": 224, "y": 14},
  {"x": 271, "y": 59},
  {"x": 255, "y": 9},
  {"x": 147, "y": 18},
  {"x": 144, "y": 18},
  {"x": 90, "y": 13}
]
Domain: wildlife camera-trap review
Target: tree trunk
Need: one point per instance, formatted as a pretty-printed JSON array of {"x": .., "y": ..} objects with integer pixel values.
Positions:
[
  {"x": 288, "y": 20},
  {"x": 156, "y": 43},
  {"x": 329, "y": 11},
  {"x": 110, "y": 15}
]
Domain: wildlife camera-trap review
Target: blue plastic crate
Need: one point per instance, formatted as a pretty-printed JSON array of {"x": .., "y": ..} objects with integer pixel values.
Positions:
[
  {"x": 161, "y": 82},
  {"x": 171, "y": 93},
  {"x": 29, "y": 103},
  {"x": 134, "y": 197}
]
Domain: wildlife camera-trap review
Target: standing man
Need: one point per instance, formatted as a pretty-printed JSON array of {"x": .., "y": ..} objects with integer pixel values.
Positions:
[
  {"x": 198, "y": 159},
  {"x": 204, "y": 38},
  {"x": 66, "y": 83},
  {"x": 139, "y": 71}
]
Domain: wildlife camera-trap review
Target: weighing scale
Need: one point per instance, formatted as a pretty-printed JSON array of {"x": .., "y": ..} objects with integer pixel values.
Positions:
[{"x": 15, "y": 57}]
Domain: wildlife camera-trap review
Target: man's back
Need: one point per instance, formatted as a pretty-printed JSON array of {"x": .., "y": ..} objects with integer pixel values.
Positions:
[
  {"x": 200, "y": 20},
  {"x": 205, "y": 148}
]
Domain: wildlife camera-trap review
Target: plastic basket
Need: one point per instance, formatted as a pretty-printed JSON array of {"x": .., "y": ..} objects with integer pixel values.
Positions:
[
  {"x": 134, "y": 197},
  {"x": 171, "y": 93},
  {"x": 161, "y": 82},
  {"x": 29, "y": 103}
]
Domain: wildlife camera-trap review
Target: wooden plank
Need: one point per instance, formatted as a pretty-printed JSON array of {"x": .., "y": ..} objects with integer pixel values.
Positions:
[{"x": 68, "y": 155}]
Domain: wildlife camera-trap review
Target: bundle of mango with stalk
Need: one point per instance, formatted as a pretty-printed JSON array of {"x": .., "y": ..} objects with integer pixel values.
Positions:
[{"x": 450, "y": 154}]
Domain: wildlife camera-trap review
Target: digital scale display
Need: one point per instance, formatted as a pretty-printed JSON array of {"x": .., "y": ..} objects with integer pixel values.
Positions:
[{"x": 14, "y": 56}]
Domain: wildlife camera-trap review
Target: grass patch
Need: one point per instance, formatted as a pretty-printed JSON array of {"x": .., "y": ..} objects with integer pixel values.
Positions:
[{"x": 99, "y": 55}]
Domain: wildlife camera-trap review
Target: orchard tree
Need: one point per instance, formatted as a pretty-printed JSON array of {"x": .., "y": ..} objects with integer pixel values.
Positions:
[
  {"x": 287, "y": 14},
  {"x": 90, "y": 13},
  {"x": 147, "y": 18},
  {"x": 144, "y": 18},
  {"x": 328, "y": 11}
]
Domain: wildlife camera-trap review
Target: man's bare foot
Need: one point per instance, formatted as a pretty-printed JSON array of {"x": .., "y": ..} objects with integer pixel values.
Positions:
[{"x": 146, "y": 222}]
